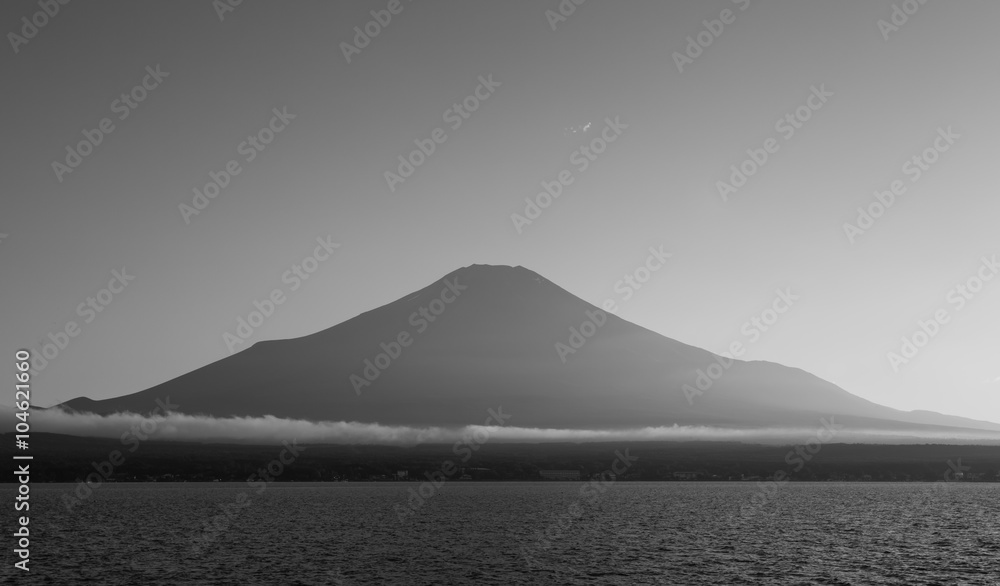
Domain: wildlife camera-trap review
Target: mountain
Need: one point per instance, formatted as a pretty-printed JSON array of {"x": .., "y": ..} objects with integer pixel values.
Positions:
[{"x": 489, "y": 336}]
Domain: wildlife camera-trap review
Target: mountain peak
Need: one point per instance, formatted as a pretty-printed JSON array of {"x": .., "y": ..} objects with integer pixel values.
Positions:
[
  {"x": 497, "y": 335},
  {"x": 488, "y": 269}
]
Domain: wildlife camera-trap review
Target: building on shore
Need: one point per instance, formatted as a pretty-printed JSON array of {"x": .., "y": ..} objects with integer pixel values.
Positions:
[{"x": 559, "y": 474}]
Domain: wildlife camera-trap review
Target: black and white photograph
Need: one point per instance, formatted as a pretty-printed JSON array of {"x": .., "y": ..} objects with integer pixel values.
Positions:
[{"x": 554, "y": 292}]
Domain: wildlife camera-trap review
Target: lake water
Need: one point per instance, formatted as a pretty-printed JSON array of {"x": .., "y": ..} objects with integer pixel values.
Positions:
[{"x": 510, "y": 533}]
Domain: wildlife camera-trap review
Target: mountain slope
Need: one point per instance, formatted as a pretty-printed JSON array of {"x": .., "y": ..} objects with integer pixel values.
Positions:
[{"x": 488, "y": 337}]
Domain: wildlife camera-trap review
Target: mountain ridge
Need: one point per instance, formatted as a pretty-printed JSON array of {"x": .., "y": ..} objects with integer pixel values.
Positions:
[{"x": 489, "y": 335}]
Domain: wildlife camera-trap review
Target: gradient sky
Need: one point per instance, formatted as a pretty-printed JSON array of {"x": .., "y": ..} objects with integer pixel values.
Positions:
[{"x": 322, "y": 176}]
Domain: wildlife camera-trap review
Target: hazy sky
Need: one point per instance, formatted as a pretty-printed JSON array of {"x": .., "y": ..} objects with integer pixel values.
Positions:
[{"x": 888, "y": 95}]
